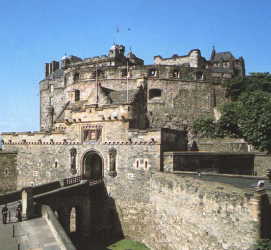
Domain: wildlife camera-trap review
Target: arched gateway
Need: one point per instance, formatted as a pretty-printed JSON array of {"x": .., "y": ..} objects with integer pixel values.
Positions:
[{"x": 92, "y": 166}]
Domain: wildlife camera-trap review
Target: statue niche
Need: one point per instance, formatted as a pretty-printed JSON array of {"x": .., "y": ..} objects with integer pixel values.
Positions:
[
  {"x": 112, "y": 162},
  {"x": 73, "y": 154}
]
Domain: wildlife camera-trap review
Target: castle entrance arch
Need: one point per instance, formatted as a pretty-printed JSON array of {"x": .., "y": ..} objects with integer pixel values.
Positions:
[{"x": 92, "y": 166}]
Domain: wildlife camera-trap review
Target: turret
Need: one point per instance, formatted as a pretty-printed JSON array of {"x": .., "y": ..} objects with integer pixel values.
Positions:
[{"x": 116, "y": 51}]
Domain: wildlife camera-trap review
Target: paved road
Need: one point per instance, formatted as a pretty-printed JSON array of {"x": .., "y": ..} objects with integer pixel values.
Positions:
[{"x": 33, "y": 234}]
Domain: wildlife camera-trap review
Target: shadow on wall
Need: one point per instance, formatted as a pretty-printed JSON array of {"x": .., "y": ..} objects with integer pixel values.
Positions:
[
  {"x": 265, "y": 217},
  {"x": 105, "y": 223}
]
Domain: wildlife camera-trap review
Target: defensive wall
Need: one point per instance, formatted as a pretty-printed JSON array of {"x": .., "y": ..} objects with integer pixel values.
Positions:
[
  {"x": 8, "y": 171},
  {"x": 182, "y": 211},
  {"x": 261, "y": 160},
  {"x": 168, "y": 210}
]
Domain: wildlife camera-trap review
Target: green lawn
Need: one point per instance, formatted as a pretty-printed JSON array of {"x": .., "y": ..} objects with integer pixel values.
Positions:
[{"x": 127, "y": 245}]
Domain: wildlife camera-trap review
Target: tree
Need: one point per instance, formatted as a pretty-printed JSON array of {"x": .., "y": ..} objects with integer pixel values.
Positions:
[
  {"x": 248, "y": 118},
  {"x": 253, "y": 82},
  {"x": 228, "y": 124},
  {"x": 255, "y": 119}
]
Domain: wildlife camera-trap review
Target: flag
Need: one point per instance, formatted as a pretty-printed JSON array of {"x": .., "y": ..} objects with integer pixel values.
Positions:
[
  {"x": 118, "y": 30},
  {"x": 129, "y": 29}
]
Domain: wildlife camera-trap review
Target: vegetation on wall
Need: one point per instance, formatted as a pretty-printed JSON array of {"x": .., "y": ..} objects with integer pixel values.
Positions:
[{"x": 247, "y": 116}]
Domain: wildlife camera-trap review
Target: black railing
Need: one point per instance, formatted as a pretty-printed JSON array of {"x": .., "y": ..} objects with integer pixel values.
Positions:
[{"x": 72, "y": 180}]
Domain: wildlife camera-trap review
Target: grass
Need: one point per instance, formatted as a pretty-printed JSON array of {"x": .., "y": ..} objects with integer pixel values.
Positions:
[{"x": 127, "y": 245}]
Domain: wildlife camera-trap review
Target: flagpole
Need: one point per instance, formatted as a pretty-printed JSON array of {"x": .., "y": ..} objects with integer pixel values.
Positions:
[
  {"x": 96, "y": 85},
  {"x": 127, "y": 82}
]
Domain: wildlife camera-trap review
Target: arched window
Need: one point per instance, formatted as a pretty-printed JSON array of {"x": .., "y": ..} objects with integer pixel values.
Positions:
[{"x": 155, "y": 93}]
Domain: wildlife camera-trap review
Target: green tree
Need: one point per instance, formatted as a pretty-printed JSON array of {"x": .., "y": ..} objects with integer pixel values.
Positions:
[
  {"x": 228, "y": 124},
  {"x": 253, "y": 82},
  {"x": 255, "y": 119}
]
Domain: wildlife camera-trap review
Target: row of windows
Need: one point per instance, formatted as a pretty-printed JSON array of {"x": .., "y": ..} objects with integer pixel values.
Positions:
[
  {"x": 151, "y": 73},
  {"x": 152, "y": 94}
]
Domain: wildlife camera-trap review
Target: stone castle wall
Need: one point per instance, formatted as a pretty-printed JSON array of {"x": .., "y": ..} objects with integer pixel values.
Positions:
[
  {"x": 182, "y": 102},
  {"x": 8, "y": 171},
  {"x": 183, "y": 97},
  {"x": 169, "y": 212},
  {"x": 38, "y": 164}
]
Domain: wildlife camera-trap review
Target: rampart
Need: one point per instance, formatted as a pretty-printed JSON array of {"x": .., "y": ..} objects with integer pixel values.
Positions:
[{"x": 171, "y": 211}]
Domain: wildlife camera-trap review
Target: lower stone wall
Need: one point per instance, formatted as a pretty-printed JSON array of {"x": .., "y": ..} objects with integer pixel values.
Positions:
[
  {"x": 222, "y": 145},
  {"x": 262, "y": 163},
  {"x": 8, "y": 173},
  {"x": 166, "y": 211},
  {"x": 225, "y": 163}
]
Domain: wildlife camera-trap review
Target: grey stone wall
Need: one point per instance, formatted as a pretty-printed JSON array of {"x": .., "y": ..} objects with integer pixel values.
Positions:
[
  {"x": 38, "y": 164},
  {"x": 8, "y": 173},
  {"x": 182, "y": 102},
  {"x": 222, "y": 145},
  {"x": 183, "y": 98},
  {"x": 180, "y": 212},
  {"x": 219, "y": 162}
]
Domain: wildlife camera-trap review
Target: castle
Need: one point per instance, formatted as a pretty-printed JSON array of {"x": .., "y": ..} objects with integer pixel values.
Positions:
[
  {"x": 112, "y": 118},
  {"x": 103, "y": 101}
]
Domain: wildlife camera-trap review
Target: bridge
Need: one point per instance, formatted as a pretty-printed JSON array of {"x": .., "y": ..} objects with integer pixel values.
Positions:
[{"x": 74, "y": 208}]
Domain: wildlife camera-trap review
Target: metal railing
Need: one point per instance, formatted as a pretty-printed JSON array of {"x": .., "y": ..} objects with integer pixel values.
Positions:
[{"x": 72, "y": 180}]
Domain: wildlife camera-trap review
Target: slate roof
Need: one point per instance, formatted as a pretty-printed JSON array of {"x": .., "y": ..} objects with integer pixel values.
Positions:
[{"x": 223, "y": 56}]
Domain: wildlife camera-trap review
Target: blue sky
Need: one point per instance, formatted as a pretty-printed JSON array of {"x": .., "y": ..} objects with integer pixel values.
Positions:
[{"x": 33, "y": 32}]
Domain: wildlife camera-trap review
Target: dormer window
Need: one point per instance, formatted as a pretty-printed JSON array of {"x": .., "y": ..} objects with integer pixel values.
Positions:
[
  {"x": 77, "y": 95},
  {"x": 152, "y": 72}
]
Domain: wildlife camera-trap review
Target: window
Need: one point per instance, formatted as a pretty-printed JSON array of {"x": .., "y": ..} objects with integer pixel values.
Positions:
[
  {"x": 152, "y": 72},
  {"x": 91, "y": 134},
  {"x": 137, "y": 164},
  {"x": 6, "y": 172},
  {"x": 146, "y": 164},
  {"x": 175, "y": 73},
  {"x": 124, "y": 73},
  {"x": 56, "y": 164},
  {"x": 97, "y": 73},
  {"x": 51, "y": 88},
  {"x": 77, "y": 95},
  {"x": 155, "y": 93},
  {"x": 199, "y": 76},
  {"x": 76, "y": 76}
]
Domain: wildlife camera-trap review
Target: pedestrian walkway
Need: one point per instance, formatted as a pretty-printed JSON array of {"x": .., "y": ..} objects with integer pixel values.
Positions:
[
  {"x": 34, "y": 234},
  {"x": 7, "y": 242}
]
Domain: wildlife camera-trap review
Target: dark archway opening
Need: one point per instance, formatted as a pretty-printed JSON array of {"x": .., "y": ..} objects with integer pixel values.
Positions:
[{"x": 92, "y": 166}]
